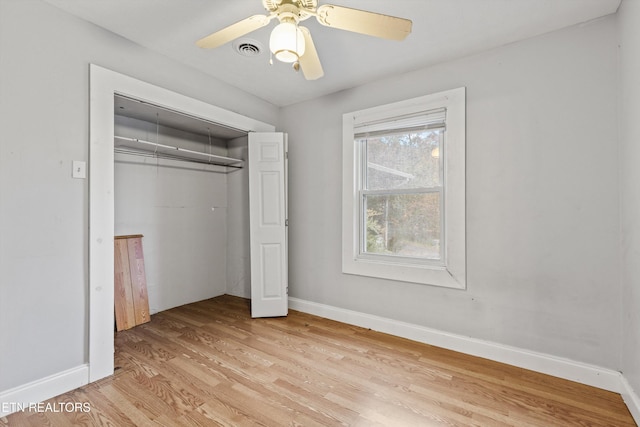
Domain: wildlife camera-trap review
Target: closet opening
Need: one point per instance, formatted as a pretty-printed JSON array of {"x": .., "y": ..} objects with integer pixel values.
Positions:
[
  {"x": 108, "y": 88},
  {"x": 180, "y": 181}
]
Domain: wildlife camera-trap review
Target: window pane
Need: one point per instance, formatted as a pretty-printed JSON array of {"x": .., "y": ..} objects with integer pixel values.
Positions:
[
  {"x": 405, "y": 225},
  {"x": 401, "y": 161}
]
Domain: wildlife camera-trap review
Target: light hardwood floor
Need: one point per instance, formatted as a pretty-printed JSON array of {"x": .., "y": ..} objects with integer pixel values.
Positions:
[{"x": 209, "y": 363}]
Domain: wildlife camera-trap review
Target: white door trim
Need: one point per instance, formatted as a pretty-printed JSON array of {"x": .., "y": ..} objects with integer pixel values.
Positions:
[{"x": 104, "y": 84}]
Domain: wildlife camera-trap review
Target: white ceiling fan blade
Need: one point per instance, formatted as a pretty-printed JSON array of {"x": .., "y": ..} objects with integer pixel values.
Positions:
[
  {"x": 310, "y": 62},
  {"x": 363, "y": 22},
  {"x": 234, "y": 31}
]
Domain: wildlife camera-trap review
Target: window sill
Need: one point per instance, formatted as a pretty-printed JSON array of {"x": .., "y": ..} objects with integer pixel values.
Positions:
[{"x": 413, "y": 273}]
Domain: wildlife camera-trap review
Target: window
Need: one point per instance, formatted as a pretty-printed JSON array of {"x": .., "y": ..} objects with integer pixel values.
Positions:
[{"x": 403, "y": 194}]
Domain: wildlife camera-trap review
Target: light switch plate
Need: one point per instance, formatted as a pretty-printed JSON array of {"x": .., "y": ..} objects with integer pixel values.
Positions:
[{"x": 79, "y": 169}]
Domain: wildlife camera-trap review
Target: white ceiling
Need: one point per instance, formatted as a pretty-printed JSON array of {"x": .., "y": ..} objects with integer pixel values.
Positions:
[{"x": 442, "y": 30}]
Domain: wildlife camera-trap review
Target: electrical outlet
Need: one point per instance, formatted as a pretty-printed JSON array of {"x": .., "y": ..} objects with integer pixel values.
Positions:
[{"x": 79, "y": 169}]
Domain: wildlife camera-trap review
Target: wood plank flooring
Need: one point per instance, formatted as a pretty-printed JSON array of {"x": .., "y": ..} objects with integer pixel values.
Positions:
[{"x": 209, "y": 363}]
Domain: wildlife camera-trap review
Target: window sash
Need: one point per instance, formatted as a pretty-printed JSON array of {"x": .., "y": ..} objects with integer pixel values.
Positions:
[
  {"x": 385, "y": 127},
  {"x": 362, "y": 235},
  {"x": 362, "y": 227},
  {"x": 361, "y": 147},
  {"x": 402, "y": 191}
]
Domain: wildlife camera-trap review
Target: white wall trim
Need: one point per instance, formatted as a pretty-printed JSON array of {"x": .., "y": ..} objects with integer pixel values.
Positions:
[
  {"x": 631, "y": 399},
  {"x": 583, "y": 373},
  {"x": 43, "y": 389},
  {"x": 453, "y": 273}
]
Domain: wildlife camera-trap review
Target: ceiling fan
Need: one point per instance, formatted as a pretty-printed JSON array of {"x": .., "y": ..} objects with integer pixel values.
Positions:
[{"x": 292, "y": 43}]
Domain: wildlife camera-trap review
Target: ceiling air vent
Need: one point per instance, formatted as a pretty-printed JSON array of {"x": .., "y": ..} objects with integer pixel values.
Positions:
[{"x": 247, "y": 47}]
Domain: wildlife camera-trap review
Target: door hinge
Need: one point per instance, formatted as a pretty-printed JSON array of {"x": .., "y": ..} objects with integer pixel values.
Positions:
[
  {"x": 286, "y": 222},
  {"x": 287, "y": 290}
]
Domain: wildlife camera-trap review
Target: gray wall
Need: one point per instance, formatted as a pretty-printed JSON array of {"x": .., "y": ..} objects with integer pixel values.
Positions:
[
  {"x": 629, "y": 17},
  {"x": 44, "y": 97},
  {"x": 542, "y": 198}
]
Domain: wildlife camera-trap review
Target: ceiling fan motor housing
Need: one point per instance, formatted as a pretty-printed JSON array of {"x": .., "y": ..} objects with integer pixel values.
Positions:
[{"x": 273, "y": 5}]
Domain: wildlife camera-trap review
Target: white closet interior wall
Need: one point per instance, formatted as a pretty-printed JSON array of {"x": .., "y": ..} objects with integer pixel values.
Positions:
[
  {"x": 183, "y": 211},
  {"x": 238, "y": 247}
]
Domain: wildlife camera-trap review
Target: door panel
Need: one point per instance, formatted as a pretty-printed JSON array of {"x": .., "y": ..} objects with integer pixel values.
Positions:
[
  {"x": 268, "y": 216},
  {"x": 270, "y": 199}
]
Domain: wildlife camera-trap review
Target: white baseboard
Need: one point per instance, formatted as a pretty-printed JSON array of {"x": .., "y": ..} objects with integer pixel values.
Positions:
[
  {"x": 631, "y": 399},
  {"x": 43, "y": 389},
  {"x": 595, "y": 376}
]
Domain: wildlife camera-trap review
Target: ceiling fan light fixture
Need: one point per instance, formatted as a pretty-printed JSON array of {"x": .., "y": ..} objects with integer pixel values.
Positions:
[{"x": 287, "y": 42}]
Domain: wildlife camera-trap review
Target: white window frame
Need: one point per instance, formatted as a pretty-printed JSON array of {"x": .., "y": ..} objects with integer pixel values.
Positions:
[{"x": 451, "y": 271}]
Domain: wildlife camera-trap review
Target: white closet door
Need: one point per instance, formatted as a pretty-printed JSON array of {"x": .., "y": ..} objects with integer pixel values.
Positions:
[{"x": 268, "y": 213}]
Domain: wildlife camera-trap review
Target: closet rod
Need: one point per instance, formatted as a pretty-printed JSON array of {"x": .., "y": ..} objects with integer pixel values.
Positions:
[
  {"x": 213, "y": 157},
  {"x": 170, "y": 157}
]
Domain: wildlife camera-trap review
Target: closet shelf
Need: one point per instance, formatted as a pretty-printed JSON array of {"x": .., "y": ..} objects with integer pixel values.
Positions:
[{"x": 149, "y": 148}]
